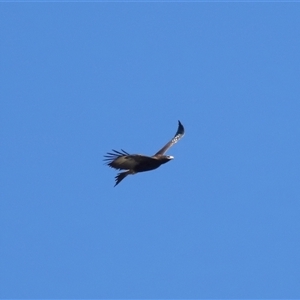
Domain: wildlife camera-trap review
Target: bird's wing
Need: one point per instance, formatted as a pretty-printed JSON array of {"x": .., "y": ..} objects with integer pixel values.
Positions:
[
  {"x": 178, "y": 135},
  {"x": 123, "y": 160}
]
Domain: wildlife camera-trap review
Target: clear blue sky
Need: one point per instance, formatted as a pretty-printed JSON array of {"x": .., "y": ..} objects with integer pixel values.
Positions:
[{"x": 219, "y": 221}]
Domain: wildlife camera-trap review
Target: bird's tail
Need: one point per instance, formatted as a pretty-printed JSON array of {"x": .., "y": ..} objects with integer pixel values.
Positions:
[{"x": 121, "y": 176}]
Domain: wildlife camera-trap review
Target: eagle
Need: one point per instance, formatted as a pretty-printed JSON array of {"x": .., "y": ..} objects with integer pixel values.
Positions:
[{"x": 136, "y": 163}]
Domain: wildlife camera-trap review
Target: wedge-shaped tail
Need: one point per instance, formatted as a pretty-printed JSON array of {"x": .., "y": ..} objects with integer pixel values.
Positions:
[{"x": 121, "y": 176}]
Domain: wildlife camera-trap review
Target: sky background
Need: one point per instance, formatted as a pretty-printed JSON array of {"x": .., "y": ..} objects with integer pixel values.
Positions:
[{"x": 219, "y": 221}]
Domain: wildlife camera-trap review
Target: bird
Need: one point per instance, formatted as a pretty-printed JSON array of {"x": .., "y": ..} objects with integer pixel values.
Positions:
[{"x": 136, "y": 163}]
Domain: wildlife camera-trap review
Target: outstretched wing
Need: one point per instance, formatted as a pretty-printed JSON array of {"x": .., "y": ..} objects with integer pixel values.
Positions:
[
  {"x": 123, "y": 160},
  {"x": 178, "y": 135}
]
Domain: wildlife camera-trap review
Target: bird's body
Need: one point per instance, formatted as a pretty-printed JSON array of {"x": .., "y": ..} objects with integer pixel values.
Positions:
[{"x": 136, "y": 163}]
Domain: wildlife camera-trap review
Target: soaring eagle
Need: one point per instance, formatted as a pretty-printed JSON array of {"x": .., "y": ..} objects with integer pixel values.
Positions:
[{"x": 135, "y": 163}]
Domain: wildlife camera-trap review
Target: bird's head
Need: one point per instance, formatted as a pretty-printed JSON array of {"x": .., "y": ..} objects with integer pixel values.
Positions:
[{"x": 165, "y": 158}]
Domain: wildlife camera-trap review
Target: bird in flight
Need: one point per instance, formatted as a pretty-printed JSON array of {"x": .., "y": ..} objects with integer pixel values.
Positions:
[{"x": 135, "y": 163}]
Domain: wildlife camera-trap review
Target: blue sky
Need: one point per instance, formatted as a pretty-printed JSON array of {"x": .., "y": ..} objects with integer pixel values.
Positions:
[{"x": 219, "y": 221}]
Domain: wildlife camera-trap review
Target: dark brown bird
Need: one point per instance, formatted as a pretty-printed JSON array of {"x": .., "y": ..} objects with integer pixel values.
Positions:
[{"x": 135, "y": 163}]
